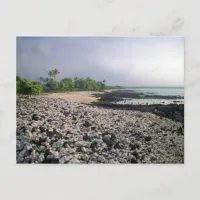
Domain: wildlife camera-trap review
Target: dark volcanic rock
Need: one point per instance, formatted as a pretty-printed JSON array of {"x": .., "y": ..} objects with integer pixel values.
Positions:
[
  {"x": 35, "y": 117},
  {"x": 148, "y": 138},
  {"x": 88, "y": 123}
]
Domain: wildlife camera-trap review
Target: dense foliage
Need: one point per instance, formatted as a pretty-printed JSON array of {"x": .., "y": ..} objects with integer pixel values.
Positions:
[
  {"x": 49, "y": 84},
  {"x": 25, "y": 86}
]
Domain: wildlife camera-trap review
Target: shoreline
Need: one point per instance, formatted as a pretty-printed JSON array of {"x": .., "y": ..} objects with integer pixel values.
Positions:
[
  {"x": 52, "y": 130},
  {"x": 78, "y": 96},
  {"x": 169, "y": 108},
  {"x": 115, "y": 96}
]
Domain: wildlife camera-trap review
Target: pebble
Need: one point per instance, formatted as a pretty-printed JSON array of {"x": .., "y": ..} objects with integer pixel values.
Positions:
[
  {"x": 73, "y": 133},
  {"x": 107, "y": 138},
  {"x": 64, "y": 159}
]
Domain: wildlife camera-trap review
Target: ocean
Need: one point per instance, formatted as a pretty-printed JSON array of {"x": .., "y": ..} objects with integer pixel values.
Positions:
[
  {"x": 151, "y": 91},
  {"x": 163, "y": 91}
]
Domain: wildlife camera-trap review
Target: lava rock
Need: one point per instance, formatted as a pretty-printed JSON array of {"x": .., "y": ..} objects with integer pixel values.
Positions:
[{"x": 35, "y": 117}]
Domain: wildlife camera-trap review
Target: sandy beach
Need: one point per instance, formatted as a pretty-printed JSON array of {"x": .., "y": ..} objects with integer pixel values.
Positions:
[
  {"x": 79, "y": 96},
  {"x": 91, "y": 96}
]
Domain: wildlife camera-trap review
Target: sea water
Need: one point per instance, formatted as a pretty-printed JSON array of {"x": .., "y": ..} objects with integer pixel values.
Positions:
[{"x": 161, "y": 91}]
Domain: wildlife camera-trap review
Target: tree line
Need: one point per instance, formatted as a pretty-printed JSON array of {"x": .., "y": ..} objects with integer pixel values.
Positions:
[{"x": 49, "y": 84}]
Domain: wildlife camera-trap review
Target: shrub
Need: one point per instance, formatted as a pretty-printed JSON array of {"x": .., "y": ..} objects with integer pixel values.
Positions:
[
  {"x": 52, "y": 86},
  {"x": 66, "y": 84},
  {"x": 25, "y": 86},
  {"x": 36, "y": 88}
]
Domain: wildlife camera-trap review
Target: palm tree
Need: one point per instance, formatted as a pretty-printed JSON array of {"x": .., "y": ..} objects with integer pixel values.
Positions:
[
  {"x": 41, "y": 79},
  {"x": 76, "y": 79},
  {"x": 46, "y": 80},
  {"x": 50, "y": 74},
  {"x": 104, "y": 84},
  {"x": 55, "y": 72}
]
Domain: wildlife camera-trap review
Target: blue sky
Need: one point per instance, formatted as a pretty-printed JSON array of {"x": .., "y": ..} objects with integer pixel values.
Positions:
[{"x": 128, "y": 61}]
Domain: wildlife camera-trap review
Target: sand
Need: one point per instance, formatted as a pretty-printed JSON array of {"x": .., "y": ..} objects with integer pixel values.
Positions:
[
  {"x": 89, "y": 96},
  {"x": 79, "y": 97}
]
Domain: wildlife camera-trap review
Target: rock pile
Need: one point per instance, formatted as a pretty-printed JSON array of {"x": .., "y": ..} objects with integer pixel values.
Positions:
[{"x": 56, "y": 131}]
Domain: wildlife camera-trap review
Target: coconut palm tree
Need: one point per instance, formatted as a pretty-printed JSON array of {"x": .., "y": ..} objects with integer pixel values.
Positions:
[
  {"x": 55, "y": 72},
  {"x": 104, "y": 84},
  {"x": 50, "y": 74},
  {"x": 46, "y": 80},
  {"x": 41, "y": 79},
  {"x": 76, "y": 79}
]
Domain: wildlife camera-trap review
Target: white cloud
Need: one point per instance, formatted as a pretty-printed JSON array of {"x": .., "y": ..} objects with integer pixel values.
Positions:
[{"x": 150, "y": 64}]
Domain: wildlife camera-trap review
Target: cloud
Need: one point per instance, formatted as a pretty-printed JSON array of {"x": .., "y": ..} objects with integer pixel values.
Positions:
[
  {"x": 45, "y": 50},
  {"x": 31, "y": 47},
  {"x": 125, "y": 61}
]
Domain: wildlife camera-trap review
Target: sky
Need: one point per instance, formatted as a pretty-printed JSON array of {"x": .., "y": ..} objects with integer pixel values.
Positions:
[{"x": 126, "y": 61}]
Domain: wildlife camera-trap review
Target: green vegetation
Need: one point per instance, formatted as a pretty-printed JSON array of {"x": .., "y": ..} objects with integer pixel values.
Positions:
[
  {"x": 49, "y": 84},
  {"x": 25, "y": 86}
]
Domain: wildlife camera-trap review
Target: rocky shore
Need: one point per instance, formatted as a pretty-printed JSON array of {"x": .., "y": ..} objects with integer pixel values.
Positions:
[
  {"x": 53, "y": 130},
  {"x": 171, "y": 111},
  {"x": 126, "y": 100},
  {"x": 120, "y": 95}
]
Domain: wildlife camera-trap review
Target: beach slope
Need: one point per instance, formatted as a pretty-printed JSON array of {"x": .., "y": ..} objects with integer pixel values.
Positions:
[{"x": 52, "y": 130}]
